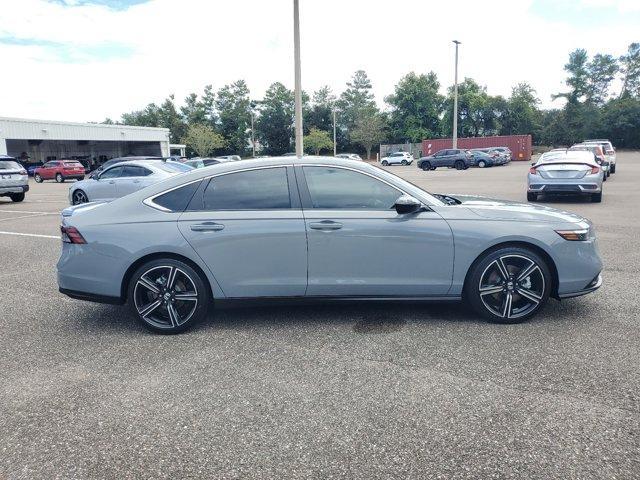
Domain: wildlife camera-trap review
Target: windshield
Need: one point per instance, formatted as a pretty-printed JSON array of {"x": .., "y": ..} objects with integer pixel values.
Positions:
[
  {"x": 407, "y": 186},
  {"x": 9, "y": 165}
]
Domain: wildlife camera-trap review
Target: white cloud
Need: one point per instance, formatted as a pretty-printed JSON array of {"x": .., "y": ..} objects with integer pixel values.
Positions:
[{"x": 178, "y": 47}]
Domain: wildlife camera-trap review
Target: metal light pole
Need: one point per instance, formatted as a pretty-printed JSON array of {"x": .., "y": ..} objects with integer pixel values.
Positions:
[
  {"x": 455, "y": 101},
  {"x": 298, "y": 78},
  {"x": 335, "y": 151},
  {"x": 253, "y": 138}
]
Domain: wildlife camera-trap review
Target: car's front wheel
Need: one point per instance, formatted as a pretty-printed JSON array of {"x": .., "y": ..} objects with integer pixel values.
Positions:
[
  {"x": 532, "y": 197},
  {"x": 613, "y": 168},
  {"x": 168, "y": 296},
  {"x": 426, "y": 166},
  {"x": 508, "y": 285},
  {"x": 37, "y": 178},
  {"x": 403, "y": 162},
  {"x": 596, "y": 197},
  {"x": 79, "y": 197},
  {"x": 385, "y": 163},
  {"x": 482, "y": 164}
]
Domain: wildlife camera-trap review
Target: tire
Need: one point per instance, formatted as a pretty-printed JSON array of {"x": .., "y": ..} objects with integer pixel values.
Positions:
[
  {"x": 495, "y": 289},
  {"x": 459, "y": 165},
  {"x": 403, "y": 162},
  {"x": 596, "y": 197},
  {"x": 482, "y": 164},
  {"x": 78, "y": 197},
  {"x": 37, "y": 178},
  {"x": 426, "y": 166},
  {"x": 17, "y": 197},
  {"x": 155, "y": 304},
  {"x": 613, "y": 168},
  {"x": 604, "y": 177},
  {"x": 532, "y": 197},
  {"x": 385, "y": 163},
  {"x": 59, "y": 178}
]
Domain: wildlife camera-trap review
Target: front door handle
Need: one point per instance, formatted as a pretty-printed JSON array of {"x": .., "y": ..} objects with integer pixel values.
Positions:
[
  {"x": 325, "y": 225},
  {"x": 207, "y": 227}
]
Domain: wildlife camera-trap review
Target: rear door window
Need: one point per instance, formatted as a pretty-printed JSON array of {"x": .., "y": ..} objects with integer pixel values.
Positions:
[
  {"x": 261, "y": 189},
  {"x": 135, "y": 171}
]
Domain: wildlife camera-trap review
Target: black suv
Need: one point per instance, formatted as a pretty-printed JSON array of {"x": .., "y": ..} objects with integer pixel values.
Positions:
[{"x": 452, "y": 158}]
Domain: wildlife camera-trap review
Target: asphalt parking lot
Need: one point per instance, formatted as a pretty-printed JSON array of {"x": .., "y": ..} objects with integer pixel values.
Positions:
[{"x": 357, "y": 390}]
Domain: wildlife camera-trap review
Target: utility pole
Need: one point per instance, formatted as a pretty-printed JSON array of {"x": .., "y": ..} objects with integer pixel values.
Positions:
[
  {"x": 298, "y": 79},
  {"x": 335, "y": 151},
  {"x": 455, "y": 100},
  {"x": 253, "y": 137}
]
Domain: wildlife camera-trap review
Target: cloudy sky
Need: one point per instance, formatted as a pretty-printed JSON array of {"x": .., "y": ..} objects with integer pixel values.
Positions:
[{"x": 84, "y": 60}]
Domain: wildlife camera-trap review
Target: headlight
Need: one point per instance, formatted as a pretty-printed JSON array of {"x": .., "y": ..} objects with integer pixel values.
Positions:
[{"x": 574, "y": 235}]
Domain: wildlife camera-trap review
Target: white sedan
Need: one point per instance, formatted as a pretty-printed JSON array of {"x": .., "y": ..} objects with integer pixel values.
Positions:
[{"x": 122, "y": 179}]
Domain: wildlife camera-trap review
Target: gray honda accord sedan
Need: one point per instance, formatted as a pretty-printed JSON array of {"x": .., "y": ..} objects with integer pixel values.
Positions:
[{"x": 316, "y": 229}]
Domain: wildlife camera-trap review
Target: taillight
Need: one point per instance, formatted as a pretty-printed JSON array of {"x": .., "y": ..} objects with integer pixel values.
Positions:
[
  {"x": 594, "y": 170},
  {"x": 71, "y": 235},
  {"x": 23, "y": 172},
  {"x": 533, "y": 171}
]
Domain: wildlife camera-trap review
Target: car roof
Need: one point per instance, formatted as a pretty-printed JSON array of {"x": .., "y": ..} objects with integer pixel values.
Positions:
[{"x": 567, "y": 155}]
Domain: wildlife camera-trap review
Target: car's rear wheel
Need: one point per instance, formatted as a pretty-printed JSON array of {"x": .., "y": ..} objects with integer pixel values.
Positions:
[
  {"x": 59, "y": 178},
  {"x": 482, "y": 164},
  {"x": 596, "y": 197},
  {"x": 459, "y": 165},
  {"x": 168, "y": 296},
  {"x": 17, "y": 197},
  {"x": 37, "y": 178},
  {"x": 508, "y": 285},
  {"x": 532, "y": 197},
  {"x": 426, "y": 166},
  {"x": 79, "y": 197},
  {"x": 385, "y": 163}
]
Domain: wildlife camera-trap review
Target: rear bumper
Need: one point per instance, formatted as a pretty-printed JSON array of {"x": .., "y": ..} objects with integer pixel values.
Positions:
[
  {"x": 565, "y": 188},
  {"x": 91, "y": 297},
  {"x": 4, "y": 190}
]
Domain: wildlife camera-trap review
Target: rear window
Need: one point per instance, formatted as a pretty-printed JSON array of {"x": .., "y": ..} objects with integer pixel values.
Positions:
[
  {"x": 174, "y": 167},
  {"x": 72, "y": 164},
  {"x": 178, "y": 199},
  {"x": 9, "y": 165}
]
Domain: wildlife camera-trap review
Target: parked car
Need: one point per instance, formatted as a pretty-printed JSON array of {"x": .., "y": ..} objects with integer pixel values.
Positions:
[
  {"x": 397, "y": 158},
  {"x": 59, "y": 170},
  {"x": 349, "y": 156},
  {"x": 498, "y": 158},
  {"x": 117, "y": 160},
  {"x": 14, "y": 181},
  {"x": 505, "y": 152},
  {"x": 598, "y": 154},
  {"x": 205, "y": 162},
  {"x": 255, "y": 230},
  {"x": 609, "y": 151},
  {"x": 452, "y": 158},
  {"x": 567, "y": 172},
  {"x": 122, "y": 179},
  {"x": 31, "y": 167},
  {"x": 482, "y": 159}
]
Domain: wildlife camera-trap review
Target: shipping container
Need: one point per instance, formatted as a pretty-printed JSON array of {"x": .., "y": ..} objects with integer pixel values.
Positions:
[{"x": 520, "y": 145}]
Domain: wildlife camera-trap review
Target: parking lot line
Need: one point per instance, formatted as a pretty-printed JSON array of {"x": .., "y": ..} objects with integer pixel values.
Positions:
[
  {"x": 27, "y": 216},
  {"x": 37, "y": 235},
  {"x": 27, "y": 211}
]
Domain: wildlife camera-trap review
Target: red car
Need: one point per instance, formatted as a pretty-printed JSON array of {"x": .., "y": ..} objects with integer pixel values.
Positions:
[{"x": 59, "y": 170}]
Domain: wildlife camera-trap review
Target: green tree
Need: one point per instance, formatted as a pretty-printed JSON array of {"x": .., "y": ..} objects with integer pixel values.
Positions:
[
  {"x": 577, "y": 69},
  {"x": 203, "y": 139},
  {"x": 630, "y": 67},
  {"x": 369, "y": 130},
  {"x": 416, "y": 106},
  {"x": 274, "y": 126},
  {"x": 165, "y": 115},
  {"x": 356, "y": 101},
  {"x": 320, "y": 113},
  {"x": 521, "y": 115},
  {"x": 475, "y": 110},
  {"x": 317, "y": 140},
  {"x": 602, "y": 70},
  {"x": 233, "y": 107}
]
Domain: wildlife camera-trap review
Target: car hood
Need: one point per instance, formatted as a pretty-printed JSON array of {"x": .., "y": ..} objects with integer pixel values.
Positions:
[{"x": 495, "y": 209}]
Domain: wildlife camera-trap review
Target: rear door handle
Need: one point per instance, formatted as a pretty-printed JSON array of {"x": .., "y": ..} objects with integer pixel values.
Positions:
[
  {"x": 325, "y": 225},
  {"x": 207, "y": 227}
]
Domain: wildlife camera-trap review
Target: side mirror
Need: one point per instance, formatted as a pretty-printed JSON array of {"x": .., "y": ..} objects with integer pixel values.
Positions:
[{"x": 407, "y": 204}]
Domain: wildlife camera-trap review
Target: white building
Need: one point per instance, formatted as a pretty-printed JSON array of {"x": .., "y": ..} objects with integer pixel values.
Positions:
[{"x": 40, "y": 140}]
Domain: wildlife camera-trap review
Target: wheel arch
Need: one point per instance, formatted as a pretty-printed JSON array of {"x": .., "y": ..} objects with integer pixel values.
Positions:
[
  {"x": 522, "y": 244},
  {"x": 158, "y": 255}
]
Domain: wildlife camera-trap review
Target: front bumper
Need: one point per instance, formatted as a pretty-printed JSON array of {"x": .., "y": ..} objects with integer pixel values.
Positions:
[{"x": 595, "y": 284}]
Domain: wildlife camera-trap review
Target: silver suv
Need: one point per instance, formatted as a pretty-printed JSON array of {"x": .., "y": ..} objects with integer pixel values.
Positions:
[{"x": 14, "y": 181}]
